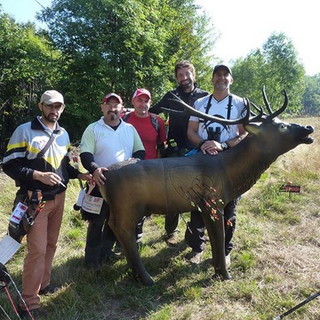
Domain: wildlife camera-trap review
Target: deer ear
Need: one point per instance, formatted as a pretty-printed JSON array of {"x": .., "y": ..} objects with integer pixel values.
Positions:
[{"x": 252, "y": 128}]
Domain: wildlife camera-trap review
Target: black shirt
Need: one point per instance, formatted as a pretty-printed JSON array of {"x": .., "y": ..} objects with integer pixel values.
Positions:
[{"x": 178, "y": 123}]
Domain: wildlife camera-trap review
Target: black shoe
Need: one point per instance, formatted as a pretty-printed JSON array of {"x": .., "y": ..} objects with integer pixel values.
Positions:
[
  {"x": 108, "y": 257},
  {"x": 25, "y": 314},
  {"x": 48, "y": 290}
]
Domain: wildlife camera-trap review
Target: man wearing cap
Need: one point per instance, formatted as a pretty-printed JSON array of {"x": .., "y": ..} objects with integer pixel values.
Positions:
[
  {"x": 212, "y": 138},
  {"x": 103, "y": 143},
  {"x": 150, "y": 127},
  {"x": 151, "y": 130},
  {"x": 49, "y": 171},
  {"x": 189, "y": 92}
]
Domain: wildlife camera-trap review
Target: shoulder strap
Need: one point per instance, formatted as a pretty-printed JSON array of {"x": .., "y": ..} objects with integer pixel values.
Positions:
[
  {"x": 229, "y": 106},
  {"x": 155, "y": 121},
  {"x": 126, "y": 116},
  {"x": 47, "y": 146},
  {"x": 208, "y": 104}
]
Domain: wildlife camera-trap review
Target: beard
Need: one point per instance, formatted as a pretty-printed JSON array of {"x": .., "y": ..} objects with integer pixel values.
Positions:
[
  {"x": 185, "y": 85},
  {"x": 51, "y": 117},
  {"x": 221, "y": 86},
  {"x": 113, "y": 116}
]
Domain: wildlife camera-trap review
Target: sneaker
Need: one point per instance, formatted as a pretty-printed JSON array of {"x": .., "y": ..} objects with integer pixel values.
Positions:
[
  {"x": 172, "y": 239},
  {"x": 48, "y": 290},
  {"x": 228, "y": 260},
  {"x": 117, "y": 249},
  {"x": 194, "y": 257}
]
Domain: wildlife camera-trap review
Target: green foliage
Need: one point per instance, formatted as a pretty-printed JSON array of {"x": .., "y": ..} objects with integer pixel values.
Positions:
[
  {"x": 117, "y": 46},
  {"x": 27, "y": 67},
  {"x": 311, "y": 96},
  {"x": 276, "y": 66}
]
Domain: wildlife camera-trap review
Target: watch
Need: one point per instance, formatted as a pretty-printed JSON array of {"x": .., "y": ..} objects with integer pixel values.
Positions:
[{"x": 224, "y": 146}]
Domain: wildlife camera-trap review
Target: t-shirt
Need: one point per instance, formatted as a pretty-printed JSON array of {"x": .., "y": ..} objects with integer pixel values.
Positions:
[
  {"x": 149, "y": 135},
  {"x": 110, "y": 146},
  {"x": 219, "y": 108}
]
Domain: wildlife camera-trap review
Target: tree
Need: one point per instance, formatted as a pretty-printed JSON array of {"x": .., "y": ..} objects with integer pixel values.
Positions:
[
  {"x": 119, "y": 45},
  {"x": 27, "y": 67},
  {"x": 277, "y": 67},
  {"x": 311, "y": 96}
]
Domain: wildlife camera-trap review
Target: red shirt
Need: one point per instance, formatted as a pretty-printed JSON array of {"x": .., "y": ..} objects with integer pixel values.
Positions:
[{"x": 148, "y": 134}]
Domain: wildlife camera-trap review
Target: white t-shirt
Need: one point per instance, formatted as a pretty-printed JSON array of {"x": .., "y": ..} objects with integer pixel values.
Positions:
[
  {"x": 219, "y": 108},
  {"x": 110, "y": 146}
]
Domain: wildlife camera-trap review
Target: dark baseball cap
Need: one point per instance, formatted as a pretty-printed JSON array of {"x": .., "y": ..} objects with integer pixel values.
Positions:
[{"x": 221, "y": 66}]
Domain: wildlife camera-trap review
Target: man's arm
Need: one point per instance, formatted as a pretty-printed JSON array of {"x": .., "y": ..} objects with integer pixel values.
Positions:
[
  {"x": 242, "y": 134},
  {"x": 157, "y": 108},
  {"x": 193, "y": 136},
  {"x": 88, "y": 163},
  {"x": 211, "y": 147}
]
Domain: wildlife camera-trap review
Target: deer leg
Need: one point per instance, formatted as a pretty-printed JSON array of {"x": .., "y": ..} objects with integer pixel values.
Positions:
[
  {"x": 217, "y": 240},
  {"x": 126, "y": 235}
]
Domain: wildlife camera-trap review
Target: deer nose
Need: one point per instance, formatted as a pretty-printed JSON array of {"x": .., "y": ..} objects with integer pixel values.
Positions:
[{"x": 310, "y": 128}]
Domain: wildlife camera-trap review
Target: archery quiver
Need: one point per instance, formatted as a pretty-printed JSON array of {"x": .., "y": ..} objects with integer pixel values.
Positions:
[{"x": 26, "y": 209}]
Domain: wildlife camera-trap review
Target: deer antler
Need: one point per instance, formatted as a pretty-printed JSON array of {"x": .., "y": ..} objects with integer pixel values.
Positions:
[
  {"x": 279, "y": 111},
  {"x": 188, "y": 110}
]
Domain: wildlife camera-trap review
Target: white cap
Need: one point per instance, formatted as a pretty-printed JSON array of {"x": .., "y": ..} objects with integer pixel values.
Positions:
[{"x": 51, "y": 96}]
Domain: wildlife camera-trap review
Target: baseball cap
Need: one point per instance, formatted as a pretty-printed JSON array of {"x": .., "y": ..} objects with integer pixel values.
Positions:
[
  {"x": 221, "y": 66},
  {"x": 111, "y": 95},
  {"x": 51, "y": 96},
  {"x": 141, "y": 91}
]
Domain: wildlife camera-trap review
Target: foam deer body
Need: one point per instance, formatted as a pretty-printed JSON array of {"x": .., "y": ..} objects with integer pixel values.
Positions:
[{"x": 171, "y": 185}]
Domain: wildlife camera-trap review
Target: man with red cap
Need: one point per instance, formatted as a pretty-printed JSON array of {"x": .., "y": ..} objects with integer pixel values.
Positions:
[
  {"x": 150, "y": 127},
  {"x": 151, "y": 130},
  {"x": 105, "y": 142}
]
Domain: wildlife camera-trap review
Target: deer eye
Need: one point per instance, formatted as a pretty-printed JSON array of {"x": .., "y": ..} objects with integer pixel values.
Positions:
[{"x": 283, "y": 127}]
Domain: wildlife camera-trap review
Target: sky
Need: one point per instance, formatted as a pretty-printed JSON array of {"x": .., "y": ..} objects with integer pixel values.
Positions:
[{"x": 242, "y": 25}]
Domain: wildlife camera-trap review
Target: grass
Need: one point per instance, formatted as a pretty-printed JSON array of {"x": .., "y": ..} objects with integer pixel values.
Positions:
[{"x": 275, "y": 264}]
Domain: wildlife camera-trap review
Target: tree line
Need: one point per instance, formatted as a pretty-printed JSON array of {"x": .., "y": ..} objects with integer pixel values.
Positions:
[{"x": 94, "y": 47}]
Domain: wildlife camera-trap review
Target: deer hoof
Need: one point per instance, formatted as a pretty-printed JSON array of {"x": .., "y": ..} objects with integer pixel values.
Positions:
[
  {"x": 146, "y": 279},
  {"x": 222, "y": 277}
]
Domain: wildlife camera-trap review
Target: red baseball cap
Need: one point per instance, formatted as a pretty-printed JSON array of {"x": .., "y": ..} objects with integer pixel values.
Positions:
[
  {"x": 111, "y": 95},
  {"x": 141, "y": 91}
]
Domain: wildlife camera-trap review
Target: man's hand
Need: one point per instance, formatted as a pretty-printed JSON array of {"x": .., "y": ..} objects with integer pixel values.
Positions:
[
  {"x": 49, "y": 178},
  {"x": 99, "y": 177},
  {"x": 85, "y": 176},
  {"x": 211, "y": 147}
]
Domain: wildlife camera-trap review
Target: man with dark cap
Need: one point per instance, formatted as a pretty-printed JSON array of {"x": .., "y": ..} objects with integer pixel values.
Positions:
[{"x": 212, "y": 138}]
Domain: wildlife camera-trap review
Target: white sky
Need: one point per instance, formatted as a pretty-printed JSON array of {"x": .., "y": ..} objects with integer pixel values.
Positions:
[{"x": 244, "y": 25}]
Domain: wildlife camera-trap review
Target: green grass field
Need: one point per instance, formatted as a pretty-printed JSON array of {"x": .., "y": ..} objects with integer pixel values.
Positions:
[{"x": 275, "y": 263}]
